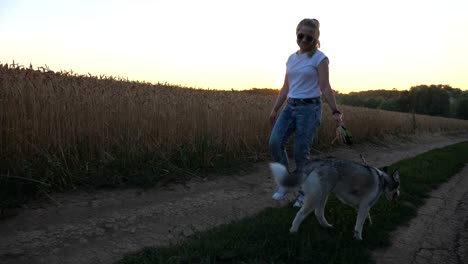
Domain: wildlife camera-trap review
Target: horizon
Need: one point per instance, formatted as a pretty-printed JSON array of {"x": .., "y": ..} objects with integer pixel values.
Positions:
[
  {"x": 46, "y": 68},
  {"x": 394, "y": 45}
]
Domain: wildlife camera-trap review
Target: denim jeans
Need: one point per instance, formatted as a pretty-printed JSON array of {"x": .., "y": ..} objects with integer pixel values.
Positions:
[{"x": 302, "y": 119}]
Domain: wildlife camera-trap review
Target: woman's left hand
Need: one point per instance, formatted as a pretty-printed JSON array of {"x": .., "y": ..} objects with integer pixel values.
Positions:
[
  {"x": 338, "y": 117},
  {"x": 342, "y": 133}
]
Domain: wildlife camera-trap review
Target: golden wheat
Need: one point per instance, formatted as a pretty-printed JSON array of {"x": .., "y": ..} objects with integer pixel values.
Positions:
[{"x": 84, "y": 118}]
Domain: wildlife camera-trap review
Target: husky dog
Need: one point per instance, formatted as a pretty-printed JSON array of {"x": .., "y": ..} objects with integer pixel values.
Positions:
[{"x": 355, "y": 184}]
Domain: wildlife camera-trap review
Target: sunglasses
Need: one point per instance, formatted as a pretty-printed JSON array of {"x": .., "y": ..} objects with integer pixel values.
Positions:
[{"x": 301, "y": 36}]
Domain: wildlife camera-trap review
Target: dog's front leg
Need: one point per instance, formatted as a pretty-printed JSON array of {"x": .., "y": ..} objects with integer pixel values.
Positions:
[{"x": 363, "y": 211}]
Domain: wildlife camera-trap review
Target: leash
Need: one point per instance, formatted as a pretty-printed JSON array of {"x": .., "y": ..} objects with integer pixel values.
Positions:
[{"x": 344, "y": 135}]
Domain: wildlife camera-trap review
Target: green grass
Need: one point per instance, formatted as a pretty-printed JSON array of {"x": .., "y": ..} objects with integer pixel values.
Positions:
[{"x": 264, "y": 238}]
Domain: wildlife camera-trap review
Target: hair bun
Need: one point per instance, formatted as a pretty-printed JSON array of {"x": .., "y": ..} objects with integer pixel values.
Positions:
[{"x": 316, "y": 22}]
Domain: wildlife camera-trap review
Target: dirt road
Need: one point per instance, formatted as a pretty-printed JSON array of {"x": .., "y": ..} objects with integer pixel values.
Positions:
[
  {"x": 439, "y": 234},
  {"x": 100, "y": 227}
]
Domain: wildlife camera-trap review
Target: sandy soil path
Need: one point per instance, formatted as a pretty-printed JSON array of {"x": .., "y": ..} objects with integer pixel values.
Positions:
[
  {"x": 100, "y": 227},
  {"x": 439, "y": 233}
]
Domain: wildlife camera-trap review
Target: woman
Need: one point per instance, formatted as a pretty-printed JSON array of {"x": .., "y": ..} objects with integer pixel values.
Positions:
[{"x": 305, "y": 82}]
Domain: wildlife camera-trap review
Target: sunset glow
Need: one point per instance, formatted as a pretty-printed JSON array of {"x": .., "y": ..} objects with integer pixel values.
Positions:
[{"x": 240, "y": 44}]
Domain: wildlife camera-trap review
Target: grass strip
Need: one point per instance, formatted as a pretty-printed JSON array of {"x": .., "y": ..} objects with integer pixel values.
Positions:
[{"x": 264, "y": 238}]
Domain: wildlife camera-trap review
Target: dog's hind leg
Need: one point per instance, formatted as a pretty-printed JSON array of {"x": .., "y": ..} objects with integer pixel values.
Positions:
[
  {"x": 305, "y": 210},
  {"x": 363, "y": 212},
  {"x": 320, "y": 211}
]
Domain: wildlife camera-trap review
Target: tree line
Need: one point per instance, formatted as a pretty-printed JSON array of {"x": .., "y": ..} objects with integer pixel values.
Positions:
[{"x": 435, "y": 100}]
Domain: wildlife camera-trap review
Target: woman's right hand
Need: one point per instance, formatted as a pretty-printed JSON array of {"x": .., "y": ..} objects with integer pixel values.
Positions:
[{"x": 279, "y": 101}]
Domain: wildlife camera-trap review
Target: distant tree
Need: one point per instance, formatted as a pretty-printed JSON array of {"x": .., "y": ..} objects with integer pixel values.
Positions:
[
  {"x": 461, "y": 109},
  {"x": 390, "y": 105},
  {"x": 438, "y": 100},
  {"x": 353, "y": 99},
  {"x": 454, "y": 96},
  {"x": 430, "y": 100},
  {"x": 371, "y": 103},
  {"x": 453, "y": 92},
  {"x": 405, "y": 102}
]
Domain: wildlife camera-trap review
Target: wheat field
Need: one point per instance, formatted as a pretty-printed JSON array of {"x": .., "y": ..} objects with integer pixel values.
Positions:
[{"x": 60, "y": 129}]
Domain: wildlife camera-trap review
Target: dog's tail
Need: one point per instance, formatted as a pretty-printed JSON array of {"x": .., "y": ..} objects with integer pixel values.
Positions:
[{"x": 282, "y": 176}]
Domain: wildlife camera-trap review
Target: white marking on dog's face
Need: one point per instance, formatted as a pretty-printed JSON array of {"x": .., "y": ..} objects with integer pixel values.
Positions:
[
  {"x": 392, "y": 192},
  {"x": 392, "y": 195}
]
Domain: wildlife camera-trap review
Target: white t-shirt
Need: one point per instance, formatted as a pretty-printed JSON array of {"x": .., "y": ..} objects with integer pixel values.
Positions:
[{"x": 303, "y": 75}]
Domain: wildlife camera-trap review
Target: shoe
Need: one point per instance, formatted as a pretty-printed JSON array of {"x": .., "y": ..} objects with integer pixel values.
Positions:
[
  {"x": 280, "y": 194},
  {"x": 300, "y": 200}
]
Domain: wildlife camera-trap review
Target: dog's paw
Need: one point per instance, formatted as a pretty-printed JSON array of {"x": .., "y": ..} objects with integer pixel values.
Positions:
[
  {"x": 357, "y": 235},
  {"x": 293, "y": 230}
]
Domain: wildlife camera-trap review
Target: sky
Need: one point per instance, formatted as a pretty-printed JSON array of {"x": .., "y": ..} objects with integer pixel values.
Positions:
[{"x": 240, "y": 44}]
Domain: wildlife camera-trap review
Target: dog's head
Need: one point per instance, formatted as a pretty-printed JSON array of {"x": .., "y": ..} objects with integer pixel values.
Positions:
[{"x": 392, "y": 188}]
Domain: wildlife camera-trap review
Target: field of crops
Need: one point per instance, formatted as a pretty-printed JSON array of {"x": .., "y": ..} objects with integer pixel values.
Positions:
[{"x": 60, "y": 130}]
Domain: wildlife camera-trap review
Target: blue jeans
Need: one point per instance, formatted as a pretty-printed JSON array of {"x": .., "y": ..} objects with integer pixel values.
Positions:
[{"x": 302, "y": 119}]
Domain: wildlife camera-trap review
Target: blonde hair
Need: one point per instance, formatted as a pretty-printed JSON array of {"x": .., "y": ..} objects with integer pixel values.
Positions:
[{"x": 315, "y": 25}]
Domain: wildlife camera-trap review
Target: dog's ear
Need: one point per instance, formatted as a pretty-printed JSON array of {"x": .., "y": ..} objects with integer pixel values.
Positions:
[{"x": 278, "y": 170}]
